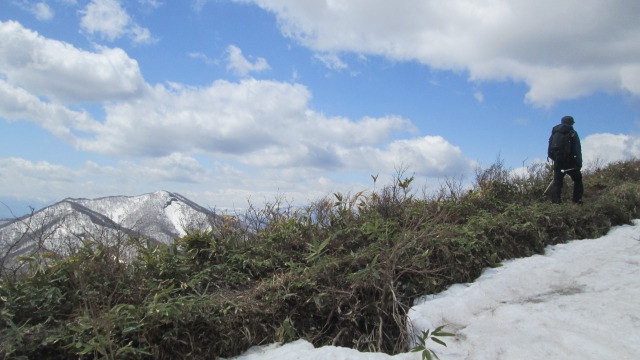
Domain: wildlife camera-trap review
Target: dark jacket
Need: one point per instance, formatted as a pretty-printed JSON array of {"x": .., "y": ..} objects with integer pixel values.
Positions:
[{"x": 576, "y": 148}]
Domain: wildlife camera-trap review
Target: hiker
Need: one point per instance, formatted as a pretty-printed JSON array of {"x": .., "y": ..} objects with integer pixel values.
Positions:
[{"x": 566, "y": 153}]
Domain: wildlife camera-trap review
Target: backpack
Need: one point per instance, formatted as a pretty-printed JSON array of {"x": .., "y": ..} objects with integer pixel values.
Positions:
[{"x": 561, "y": 143}]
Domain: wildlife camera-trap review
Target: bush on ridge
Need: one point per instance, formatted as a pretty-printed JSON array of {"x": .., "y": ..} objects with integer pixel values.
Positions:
[{"x": 343, "y": 270}]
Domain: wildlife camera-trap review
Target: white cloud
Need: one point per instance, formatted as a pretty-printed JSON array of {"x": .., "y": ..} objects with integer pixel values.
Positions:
[
  {"x": 18, "y": 104},
  {"x": 62, "y": 72},
  {"x": 264, "y": 132},
  {"x": 265, "y": 124},
  {"x": 37, "y": 180},
  {"x": 223, "y": 186},
  {"x": 39, "y": 169},
  {"x": 175, "y": 167},
  {"x": 110, "y": 20},
  {"x": 42, "y": 11},
  {"x": 560, "y": 50},
  {"x": 429, "y": 156},
  {"x": 141, "y": 35},
  {"x": 105, "y": 17},
  {"x": 50, "y": 181},
  {"x": 631, "y": 78},
  {"x": 207, "y": 60},
  {"x": 331, "y": 61},
  {"x": 241, "y": 65},
  {"x": 606, "y": 148},
  {"x": 259, "y": 123}
]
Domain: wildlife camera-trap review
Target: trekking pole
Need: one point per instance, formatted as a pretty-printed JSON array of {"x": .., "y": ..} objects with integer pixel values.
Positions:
[
  {"x": 553, "y": 163},
  {"x": 547, "y": 189},
  {"x": 551, "y": 183}
]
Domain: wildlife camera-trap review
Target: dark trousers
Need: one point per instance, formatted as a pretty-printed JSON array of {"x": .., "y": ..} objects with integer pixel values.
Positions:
[{"x": 558, "y": 182}]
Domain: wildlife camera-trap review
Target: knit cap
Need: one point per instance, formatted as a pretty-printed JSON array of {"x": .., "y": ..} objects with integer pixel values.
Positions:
[{"x": 568, "y": 120}]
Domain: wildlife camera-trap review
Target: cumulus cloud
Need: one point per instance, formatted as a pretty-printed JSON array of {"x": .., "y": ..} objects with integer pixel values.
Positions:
[
  {"x": 40, "y": 10},
  {"x": 105, "y": 17},
  {"x": 561, "y": 50},
  {"x": 431, "y": 155},
  {"x": 58, "y": 70},
  {"x": 38, "y": 169},
  {"x": 110, "y": 20},
  {"x": 259, "y": 123},
  {"x": 141, "y": 35},
  {"x": 174, "y": 167},
  {"x": 228, "y": 186},
  {"x": 263, "y": 129},
  {"x": 207, "y": 60},
  {"x": 264, "y": 124},
  {"x": 18, "y": 104},
  {"x": 44, "y": 179},
  {"x": 241, "y": 65},
  {"x": 37, "y": 180},
  {"x": 606, "y": 148}
]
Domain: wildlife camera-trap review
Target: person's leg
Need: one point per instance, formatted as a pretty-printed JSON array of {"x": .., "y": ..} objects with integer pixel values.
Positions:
[
  {"x": 578, "y": 187},
  {"x": 556, "y": 192}
]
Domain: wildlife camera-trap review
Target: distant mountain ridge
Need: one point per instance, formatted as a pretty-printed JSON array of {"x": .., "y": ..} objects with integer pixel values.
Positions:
[{"x": 160, "y": 216}]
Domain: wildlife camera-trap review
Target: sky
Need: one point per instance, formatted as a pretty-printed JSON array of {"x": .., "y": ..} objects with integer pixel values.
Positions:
[
  {"x": 578, "y": 301},
  {"x": 231, "y": 102}
]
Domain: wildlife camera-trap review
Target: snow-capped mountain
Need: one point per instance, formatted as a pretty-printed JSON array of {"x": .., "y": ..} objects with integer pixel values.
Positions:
[{"x": 160, "y": 216}]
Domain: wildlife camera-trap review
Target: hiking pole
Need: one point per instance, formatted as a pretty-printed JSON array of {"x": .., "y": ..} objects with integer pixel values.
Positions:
[
  {"x": 551, "y": 183},
  {"x": 547, "y": 189}
]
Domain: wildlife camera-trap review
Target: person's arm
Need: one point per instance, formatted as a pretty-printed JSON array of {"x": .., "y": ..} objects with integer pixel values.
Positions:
[{"x": 577, "y": 149}]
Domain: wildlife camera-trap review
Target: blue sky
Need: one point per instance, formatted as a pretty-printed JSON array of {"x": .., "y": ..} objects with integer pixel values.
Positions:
[{"x": 229, "y": 101}]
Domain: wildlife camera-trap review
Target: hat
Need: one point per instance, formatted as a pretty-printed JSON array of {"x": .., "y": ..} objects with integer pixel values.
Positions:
[{"x": 568, "y": 120}]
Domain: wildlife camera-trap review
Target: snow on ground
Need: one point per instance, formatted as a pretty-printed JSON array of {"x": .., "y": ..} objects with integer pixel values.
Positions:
[{"x": 580, "y": 300}]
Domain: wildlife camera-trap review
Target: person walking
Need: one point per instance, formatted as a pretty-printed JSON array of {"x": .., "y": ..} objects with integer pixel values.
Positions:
[{"x": 566, "y": 152}]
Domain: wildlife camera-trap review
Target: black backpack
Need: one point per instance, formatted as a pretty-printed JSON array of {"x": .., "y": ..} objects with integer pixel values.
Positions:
[{"x": 561, "y": 143}]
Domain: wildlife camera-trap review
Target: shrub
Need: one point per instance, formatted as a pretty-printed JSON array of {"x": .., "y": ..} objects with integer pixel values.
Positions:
[{"x": 343, "y": 270}]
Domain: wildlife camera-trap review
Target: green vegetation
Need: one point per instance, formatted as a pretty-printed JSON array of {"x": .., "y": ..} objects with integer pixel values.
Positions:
[
  {"x": 343, "y": 271},
  {"x": 427, "y": 353}
]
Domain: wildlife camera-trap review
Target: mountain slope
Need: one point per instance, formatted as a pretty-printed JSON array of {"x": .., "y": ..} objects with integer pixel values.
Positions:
[{"x": 160, "y": 216}]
